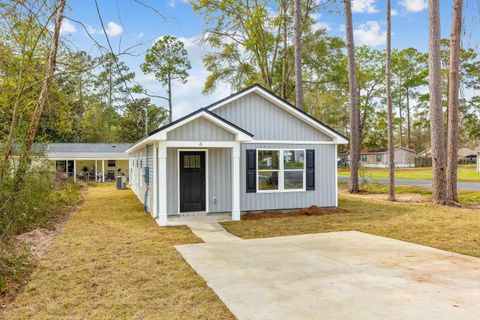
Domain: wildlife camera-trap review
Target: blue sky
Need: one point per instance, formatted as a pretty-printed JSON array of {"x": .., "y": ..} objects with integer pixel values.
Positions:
[{"x": 129, "y": 23}]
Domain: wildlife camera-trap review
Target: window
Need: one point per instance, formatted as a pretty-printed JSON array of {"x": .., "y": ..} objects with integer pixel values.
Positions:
[
  {"x": 191, "y": 161},
  {"x": 379, "y": 157},
  {"x": 280, "y": 170},
  {"x": 363, "y": 158},
  {"x": 111, "y": 163}
]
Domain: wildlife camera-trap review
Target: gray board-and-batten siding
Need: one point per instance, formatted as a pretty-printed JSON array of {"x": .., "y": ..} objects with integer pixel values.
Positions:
[{"x": 265, "y": 121}]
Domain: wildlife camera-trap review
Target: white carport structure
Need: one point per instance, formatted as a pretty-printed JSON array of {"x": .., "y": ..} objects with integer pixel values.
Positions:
[{"x": 102, "y": 161}]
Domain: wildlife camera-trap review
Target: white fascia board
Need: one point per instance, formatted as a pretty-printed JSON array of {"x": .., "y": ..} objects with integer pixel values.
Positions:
[
  {"x": 139, "y": 145},
  {"x": 86, "y": 156},
  {"x": 338, "y": 139},
  {"x": 240, "y": 135}
]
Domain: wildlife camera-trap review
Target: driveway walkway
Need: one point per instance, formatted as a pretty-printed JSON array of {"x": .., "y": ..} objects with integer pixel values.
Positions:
[
  {"x": 473, "y": 186},
  {"x": 338, "y": 275}
]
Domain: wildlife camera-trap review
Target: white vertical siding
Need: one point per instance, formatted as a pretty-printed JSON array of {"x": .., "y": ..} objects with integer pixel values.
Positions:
[
  {"x": 142, "y": 188},
  {"x": 266, "y": 121},
  {"x": 324, "y": 194},
  {"x": 200, "y": 129}
]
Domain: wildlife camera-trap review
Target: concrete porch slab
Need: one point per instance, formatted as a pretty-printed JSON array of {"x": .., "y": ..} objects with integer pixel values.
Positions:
[{"x": 338, "y": 275}]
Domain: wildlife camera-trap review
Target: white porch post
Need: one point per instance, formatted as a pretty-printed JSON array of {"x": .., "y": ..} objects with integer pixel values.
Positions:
[
  {"x": 96, "y": 178},
  {"x": 162, "y": 184},
  {"x": 236, "y": 182},
  {"x": 155, "y": 180},
  {"x": 103, "y": 170},
  {"x": 74, "y": 170}
]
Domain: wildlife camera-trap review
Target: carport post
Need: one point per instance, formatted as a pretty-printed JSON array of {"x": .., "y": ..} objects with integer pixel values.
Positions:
[
  {"x": 236, "y": 182},
  {"x": 103, "y": 170},
  {"x": 74, "y": 170},
  {"x": 96, "y": 178},
  {"x": 162, "y": 184}
]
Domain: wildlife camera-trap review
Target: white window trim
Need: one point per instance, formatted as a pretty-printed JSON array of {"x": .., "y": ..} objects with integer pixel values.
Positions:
[{"x": 281, "y": 170}]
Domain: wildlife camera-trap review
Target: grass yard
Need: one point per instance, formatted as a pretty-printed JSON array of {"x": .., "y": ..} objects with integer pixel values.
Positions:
[
  {"x": 114, "y": 262},
  {"x": 448, "y": 228},
  {"x": 465, "y": 173}
]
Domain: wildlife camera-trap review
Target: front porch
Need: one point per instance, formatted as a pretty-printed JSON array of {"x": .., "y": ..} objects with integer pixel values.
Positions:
[
  {"x": 98, "y": 170},
  {"x": 196, "y": 181}
]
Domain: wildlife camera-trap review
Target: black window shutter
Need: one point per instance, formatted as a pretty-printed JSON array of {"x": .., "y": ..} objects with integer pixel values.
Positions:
[
  {"x": 251, "y": 171},
  {"x": 310, "y": 170}
]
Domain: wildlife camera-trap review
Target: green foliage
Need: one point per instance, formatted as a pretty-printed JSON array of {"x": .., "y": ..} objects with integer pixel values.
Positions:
[
  {"x": 168, "y": 60},
  {"x": 37, "y": 205},
  {"x": 132, "y": 123}
]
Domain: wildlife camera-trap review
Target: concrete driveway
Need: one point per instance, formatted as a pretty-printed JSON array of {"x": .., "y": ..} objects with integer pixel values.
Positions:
[{"x": 338, "y": 275}]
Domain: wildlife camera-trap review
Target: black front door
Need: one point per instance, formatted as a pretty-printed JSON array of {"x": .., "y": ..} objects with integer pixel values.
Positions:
[{"x": 192, "y": 181}]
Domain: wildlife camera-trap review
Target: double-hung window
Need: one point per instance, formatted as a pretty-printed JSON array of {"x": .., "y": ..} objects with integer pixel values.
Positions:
[{"x": 280, "y": 170}]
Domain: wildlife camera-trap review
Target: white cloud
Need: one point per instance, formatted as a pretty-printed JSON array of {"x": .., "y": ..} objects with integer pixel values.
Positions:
[
  {"x": 364, "y": 6},
  {"x": 414, "y": 5},
  {"x": 319, "y": 24},
  {"x": 113, "y": 29},
  {"x": 369, "y": 33},
  {"x": 91, "y": 30},
  {"x": 394, "y": 12},
  {"x": 173, "y": 3},
  {"x": 67, "y": 27}
]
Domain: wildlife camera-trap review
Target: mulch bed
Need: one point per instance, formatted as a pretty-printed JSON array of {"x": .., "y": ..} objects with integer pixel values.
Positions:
[{"x": 310, "y": 211}]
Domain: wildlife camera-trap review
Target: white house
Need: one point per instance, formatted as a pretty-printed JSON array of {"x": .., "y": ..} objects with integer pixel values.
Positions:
[
  {"x": 89, "y": 161},
  {"x": 250, "y": 151}
]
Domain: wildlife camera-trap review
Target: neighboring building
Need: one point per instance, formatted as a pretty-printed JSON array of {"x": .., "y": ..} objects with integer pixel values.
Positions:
[
  {"x": 477, "y": 151},
  {"x": 87, "y": 161},
  {"x": 466, "y": 156},
  {"x": 250, "y": 151},
  {"x": 378, "y": 158}
]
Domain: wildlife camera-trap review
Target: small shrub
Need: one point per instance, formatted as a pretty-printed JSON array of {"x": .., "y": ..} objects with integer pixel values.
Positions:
[{"x": 39, "y": 202}]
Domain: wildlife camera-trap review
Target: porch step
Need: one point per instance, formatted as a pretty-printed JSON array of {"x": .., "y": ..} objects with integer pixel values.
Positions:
[{"x": 193, "y": 214}]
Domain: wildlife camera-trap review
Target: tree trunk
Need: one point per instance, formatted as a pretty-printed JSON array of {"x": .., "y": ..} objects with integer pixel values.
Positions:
[
  {"x": 439, "y": 192},
  {"x": 409, "y": 130},
  {"x": 400, "y": 127},
  {"x": 354, "y": 110},
  {"x": 285, "y": 51},
  {"x": 391, "y": 148},
  {"x": 298, "y": 54},
  {"x": 453, "y": 103},
  {"x": 42, "y": 99},
  {"x": 170, "y": 109}
]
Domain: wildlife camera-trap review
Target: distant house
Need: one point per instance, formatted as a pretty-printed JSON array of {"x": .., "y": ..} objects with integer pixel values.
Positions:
[
  {"x": 464, "y": 155},
  {"x": 378, "y": 157},
  {"x": 247, "y": 152}
]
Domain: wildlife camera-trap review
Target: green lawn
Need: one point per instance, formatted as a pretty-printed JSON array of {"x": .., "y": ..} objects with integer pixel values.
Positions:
[
  {"x": 114, "y": 262},
  {"x": 465, "y": 173},
  {"x": 448, "y": 228}
]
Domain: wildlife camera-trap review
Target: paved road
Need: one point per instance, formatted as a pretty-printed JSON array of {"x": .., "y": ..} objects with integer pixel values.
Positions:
[{"x": 475, "y": 186}]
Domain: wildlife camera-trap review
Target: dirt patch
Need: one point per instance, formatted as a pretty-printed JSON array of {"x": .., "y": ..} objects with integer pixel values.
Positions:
[
  {"x": 310, "y": 211},
  {"x": 37, "y": 242},
  {"x": 40, "y": 239}
]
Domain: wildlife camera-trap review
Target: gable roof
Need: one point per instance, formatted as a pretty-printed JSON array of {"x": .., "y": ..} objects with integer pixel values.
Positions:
[
  {"x": 160, "y": 133},
  {"x": 287, "y": 106},
  {"x": 190, "y": 115}
]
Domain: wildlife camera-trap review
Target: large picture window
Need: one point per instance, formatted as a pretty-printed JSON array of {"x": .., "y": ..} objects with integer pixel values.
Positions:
[{"x": 280, "y": 170}]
